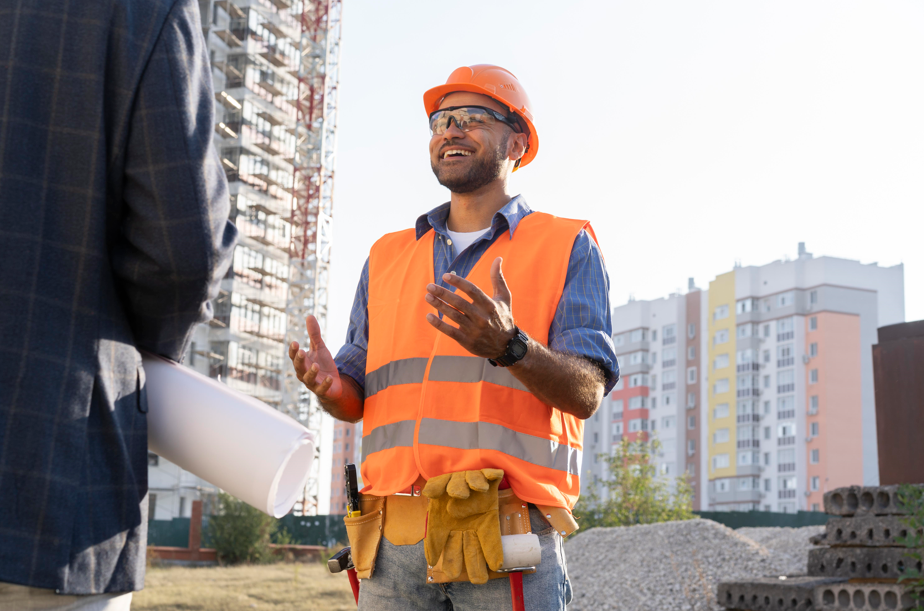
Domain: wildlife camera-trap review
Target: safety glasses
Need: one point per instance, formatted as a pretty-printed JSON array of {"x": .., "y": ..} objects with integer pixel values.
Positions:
[{"x": 467, "y": 118}]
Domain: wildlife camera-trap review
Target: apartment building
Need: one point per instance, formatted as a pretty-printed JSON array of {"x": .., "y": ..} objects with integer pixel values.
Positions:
[
  {"x": 659, "y": 345},
  {"x": 253, "y": 46},
  {"x": 790, "y": 406}
]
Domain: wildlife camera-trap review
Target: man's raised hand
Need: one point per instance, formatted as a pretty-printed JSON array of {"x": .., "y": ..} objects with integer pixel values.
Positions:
[
  {"x": 485, "y": 324},
  {"x": 316, "y": 368}
]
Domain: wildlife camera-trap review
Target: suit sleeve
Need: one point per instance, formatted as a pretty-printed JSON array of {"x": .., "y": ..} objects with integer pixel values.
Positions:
[{"x": 176, "y": 241}]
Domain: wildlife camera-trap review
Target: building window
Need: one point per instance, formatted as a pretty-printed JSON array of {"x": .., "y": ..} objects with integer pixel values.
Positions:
[
  {"x": 619, "y": 340},
  {"x": 766, "y": 381},
  {"x": 815, "y": 457},
  {"x": 767, "y": 459},
  {"x": 619, "y": 384},
  {"x": 153, "y": 459},
  {"x": 784, "y": 299},
  {"x": 617, "y": 405},
  {"x": 654, "y": 335},
  {"x": 743, "y": 306},
  {"x": 638, "y": 424},
  {"x": 670, "y": 333},
  {"x": 182, "y": 512},
  {"x": 813, "y": 428},
  {"x": 617, "y": 428},
  {"x": 721, "y": 337},
  {"x": 813, "y": 323},
  {"x": 721, "y": 436},
  {"x": 766, "y": 407},
  {"x": 766, "y": 432},
  {"x": 720, "y": 386},
  {"x": 816, "y": 507},
  {"x": 720, "y": 461},
  {"x": 813, "y": 405},
  {"x": 745, "y": 331},
  {"x": 691, "y": 422},
  {"x": 691, "y": 400},
  {"x": 766, "y": 356},
  {"x": 813, "y": 376},
  {"x": 691, "y": 469},
  {"x": 691, "y": 375},
  {"x": 639, "y": 379},
  {"x": 720, "y": 411},
  {"x": 654, "y": 358},
  {"x": 786, "y": 429},
  {"x": 668, "y": 401},
  {"x": 638, "y": 335},
  {"x": 720, "y": 362},
  {"x": 813, "y": 297},
  {"x": 654, "y": 403},
  {"x": 691, "y": 330},
  {"x": 691, "y": 353},
  {"x": 766, "y": 330},
  {"x": 815, "y": 489},
  {"x": 720, "y": 312},
  {"x": 637, "y": 402},
  {"x": 767, "y": 485},
  {"x": 813, "y": 349}
]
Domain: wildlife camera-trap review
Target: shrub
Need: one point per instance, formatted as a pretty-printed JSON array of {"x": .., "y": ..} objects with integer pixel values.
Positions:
[
  {"x": 912, "y": 498},
  {"x": 240, "y": 533},
  {"x": 635, "y": 494}
]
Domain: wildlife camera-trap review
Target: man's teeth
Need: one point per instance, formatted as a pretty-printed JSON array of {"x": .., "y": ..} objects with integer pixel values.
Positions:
[{"x": 456, "y": 152}]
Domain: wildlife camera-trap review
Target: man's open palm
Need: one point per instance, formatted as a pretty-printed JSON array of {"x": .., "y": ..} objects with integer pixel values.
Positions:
[{"x": 316, "y": 368}]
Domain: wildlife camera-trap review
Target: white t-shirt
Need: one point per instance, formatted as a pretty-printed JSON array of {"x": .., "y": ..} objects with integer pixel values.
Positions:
[{"x": 461, "y": 241}]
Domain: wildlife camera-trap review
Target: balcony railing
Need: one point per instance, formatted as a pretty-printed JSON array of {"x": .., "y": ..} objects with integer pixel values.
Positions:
[
  {"x": 788, "y": 362},
  {"x": 787, "y": 494},
  {"x": 785, "y": 388},
  {"x": 667, "y": 341},
  {"x": 786, "y": 467},
  {"x": 669, "y": 386},
  {"x": 786, "y": 414},
  {"x": 786, "y": 441},
  {"x": 748, "y": 443},
  {"x": 744, "y": 367},
  {"x": 668, "y": 363},
  {"x": 745, "y": 418},
  {"x": 748, "y": 392},
  {"x": 782, "y": 337}
]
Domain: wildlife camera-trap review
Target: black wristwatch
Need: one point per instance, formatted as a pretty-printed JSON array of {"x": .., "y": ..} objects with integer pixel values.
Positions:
[{"x": 516, "y": 350}]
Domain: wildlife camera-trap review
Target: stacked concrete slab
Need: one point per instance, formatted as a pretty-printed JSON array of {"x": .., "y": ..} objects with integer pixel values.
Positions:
[{"x": 856, "y": 564}]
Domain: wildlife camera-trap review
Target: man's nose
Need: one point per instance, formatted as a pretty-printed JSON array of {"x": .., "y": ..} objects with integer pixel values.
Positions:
[{"x": 453, "y": 130}]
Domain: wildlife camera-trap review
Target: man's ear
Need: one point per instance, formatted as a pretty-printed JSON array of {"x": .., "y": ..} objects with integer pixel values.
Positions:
[{"x": 517, "y": 146}]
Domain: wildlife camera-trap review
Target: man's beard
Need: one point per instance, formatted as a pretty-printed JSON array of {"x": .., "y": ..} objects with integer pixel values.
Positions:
[{"x": 482, "y": 171}]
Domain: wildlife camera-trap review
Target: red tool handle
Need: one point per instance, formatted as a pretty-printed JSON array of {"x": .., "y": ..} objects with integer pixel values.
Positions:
[
  {"x": 516, "y": 591},
  {"x": 354, "y": 583}
]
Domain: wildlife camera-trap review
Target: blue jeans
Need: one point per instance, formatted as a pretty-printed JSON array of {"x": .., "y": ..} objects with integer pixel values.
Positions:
[{"x": 399, "y": 581}]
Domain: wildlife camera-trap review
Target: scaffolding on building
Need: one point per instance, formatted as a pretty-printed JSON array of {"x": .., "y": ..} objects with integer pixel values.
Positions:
[{"x": 275, "y": 68}]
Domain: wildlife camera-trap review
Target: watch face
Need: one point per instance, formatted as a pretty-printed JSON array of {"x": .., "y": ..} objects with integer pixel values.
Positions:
[{"x": 518, "y": 349}]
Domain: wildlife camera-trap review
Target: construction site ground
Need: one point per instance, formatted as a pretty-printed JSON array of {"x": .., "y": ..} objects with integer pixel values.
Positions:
[{"x": 276, "y": 587}]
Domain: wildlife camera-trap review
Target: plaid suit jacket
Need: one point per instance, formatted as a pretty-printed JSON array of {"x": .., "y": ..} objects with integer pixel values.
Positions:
[{"x": 114, "y": 235}]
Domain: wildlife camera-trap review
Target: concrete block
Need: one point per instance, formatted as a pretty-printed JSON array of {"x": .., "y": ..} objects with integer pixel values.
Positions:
[
  {"x": 863, "y": 500},
  {"x": 868, "y": 531},
  {"x": 860, "y": 562},
  {"x": 794, "y": 593},
  {"x": 862, "y": 597}
]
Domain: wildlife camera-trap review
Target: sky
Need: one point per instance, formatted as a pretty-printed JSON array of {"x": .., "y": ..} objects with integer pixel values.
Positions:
[{"x": 691, "y": 134}]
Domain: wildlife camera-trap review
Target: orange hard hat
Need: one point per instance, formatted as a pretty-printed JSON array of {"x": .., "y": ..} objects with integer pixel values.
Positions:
[{"x": 494, "y": 82}]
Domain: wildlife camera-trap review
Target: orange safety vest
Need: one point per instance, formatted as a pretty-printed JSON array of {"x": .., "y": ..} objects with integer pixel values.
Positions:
[{"x": 431, "y": 407}]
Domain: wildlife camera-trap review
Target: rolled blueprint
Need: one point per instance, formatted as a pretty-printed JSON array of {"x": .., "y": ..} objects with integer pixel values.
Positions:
[
  {"x": 520, "y": 551},
  {"x": 233, "y": 441}
]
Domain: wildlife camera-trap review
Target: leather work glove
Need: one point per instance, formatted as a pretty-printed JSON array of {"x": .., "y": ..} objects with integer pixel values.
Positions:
[{"x": 463, "y": 523}]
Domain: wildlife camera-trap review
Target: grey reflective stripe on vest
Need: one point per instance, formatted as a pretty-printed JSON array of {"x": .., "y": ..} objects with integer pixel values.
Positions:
[
  {"x": 488, "y": 436},
  {"x": 395, "y": 435},
  {"x": 403, "y": 371},
  {"x": 465, "y": 369},
  {"x": 471, "y": 369}
]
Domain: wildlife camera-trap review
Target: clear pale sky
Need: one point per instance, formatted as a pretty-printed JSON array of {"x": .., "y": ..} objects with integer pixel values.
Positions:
[{"x": 691, "y": 134}]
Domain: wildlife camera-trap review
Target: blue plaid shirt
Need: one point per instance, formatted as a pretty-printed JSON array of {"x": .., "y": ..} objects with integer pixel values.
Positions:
[{"x": 582, "y": 323}]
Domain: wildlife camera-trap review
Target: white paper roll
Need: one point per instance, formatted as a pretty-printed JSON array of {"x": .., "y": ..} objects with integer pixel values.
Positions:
[
  {"x": 521, "y": 550},
  {"x": 236, "y": 442}
]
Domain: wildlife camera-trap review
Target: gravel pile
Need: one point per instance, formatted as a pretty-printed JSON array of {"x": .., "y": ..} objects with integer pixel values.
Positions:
[{"x": 676, "y": 566}]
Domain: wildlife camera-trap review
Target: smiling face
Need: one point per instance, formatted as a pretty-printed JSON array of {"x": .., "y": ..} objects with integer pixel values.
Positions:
[{"x": 464, "y": 162}]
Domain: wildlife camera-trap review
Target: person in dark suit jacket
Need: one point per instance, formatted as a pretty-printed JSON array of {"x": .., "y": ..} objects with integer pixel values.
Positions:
[{"x": 114, "y": 236}]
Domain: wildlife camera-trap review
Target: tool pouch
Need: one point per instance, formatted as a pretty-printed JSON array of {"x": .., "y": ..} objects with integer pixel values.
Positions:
[{"x": 365, "y": 534}]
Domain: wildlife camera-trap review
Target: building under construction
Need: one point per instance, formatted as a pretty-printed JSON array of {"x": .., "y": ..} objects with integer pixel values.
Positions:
[{"x": 275, "y": 73}]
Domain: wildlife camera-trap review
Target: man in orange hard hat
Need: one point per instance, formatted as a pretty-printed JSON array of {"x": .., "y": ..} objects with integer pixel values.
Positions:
[{"x": 449, "y": 378}]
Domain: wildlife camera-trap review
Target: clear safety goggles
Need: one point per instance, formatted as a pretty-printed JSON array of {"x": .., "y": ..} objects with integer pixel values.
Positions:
[{"x": 467, "y": 118}]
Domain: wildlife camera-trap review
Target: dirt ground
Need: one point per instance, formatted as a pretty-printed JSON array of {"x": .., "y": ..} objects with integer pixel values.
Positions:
[{"x": 276, "y": 587}]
